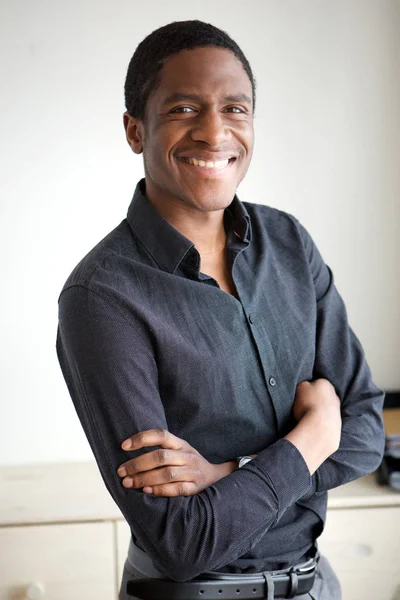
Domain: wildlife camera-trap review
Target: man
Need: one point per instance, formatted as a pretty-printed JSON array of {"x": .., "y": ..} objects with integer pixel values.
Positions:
[{"x": 203, "y": 329}]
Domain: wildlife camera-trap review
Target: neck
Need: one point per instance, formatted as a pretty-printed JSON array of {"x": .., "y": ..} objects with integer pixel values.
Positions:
[{"x": 204, "y": 228}]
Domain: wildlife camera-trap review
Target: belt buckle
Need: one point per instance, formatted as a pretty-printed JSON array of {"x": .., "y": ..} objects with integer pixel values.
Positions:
[
  {"x": 306, "y": 569},
  {"x": 294, "y": 577},
  {"x": 312, "y": 566}
]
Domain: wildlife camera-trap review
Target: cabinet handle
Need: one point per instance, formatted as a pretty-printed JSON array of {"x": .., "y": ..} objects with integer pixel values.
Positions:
[{"x": 34, "y": 591}]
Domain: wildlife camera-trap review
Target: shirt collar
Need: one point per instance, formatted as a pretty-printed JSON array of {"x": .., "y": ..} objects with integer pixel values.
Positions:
[{"x": 167, "y": 245}]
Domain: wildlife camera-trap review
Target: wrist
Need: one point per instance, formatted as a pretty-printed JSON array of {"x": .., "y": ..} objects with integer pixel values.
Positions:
[
  {"x": 226, "y": 468},
  {"x": 314, "y": 437}
]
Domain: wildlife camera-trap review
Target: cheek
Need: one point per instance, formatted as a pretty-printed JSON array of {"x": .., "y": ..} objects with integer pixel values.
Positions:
[
  {"x": 158, "y": 152},
  {"x": 248, "y": 139},
  {"x": 244, "y": 136},
  {"x": 154, "y": 158}
]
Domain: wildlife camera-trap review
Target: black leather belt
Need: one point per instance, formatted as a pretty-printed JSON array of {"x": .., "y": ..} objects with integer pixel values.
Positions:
[
  {"x": 222, "y": 586},
  {"x": 287, "y": 585}
]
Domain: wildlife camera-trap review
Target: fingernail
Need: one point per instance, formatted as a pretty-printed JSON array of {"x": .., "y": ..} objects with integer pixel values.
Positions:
[
  {"x": 122, "y": 472},
  {"x": 126, "y": 445},
  {"x": 148, "y": 490},
  {"x": 127, "y": 482}
]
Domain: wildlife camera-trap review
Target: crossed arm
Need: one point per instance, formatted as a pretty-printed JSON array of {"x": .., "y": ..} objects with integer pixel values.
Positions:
[{"x": 177, "y": 469}]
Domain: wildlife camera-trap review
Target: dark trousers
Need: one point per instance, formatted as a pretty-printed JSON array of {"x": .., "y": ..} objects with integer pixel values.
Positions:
[{"x": 326, "y": 585}]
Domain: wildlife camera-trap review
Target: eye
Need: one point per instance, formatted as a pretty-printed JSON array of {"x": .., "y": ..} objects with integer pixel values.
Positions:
[
  {"x": 237, "y": 110},
  {"x": 181, "y": 109}
]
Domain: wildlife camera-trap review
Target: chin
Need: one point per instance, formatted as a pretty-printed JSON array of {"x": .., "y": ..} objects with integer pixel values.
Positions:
[
  {"x": 211, "y": 204},
  {"x": 210, "y": 199}
]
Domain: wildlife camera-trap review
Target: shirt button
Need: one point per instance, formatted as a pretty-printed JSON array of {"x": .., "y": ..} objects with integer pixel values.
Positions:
[
  {"x": 272, "y": 381},
  {"x": 251, "y": 319}
]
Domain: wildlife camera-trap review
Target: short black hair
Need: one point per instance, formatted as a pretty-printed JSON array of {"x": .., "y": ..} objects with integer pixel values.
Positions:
[{"x": 149, "y": 57}]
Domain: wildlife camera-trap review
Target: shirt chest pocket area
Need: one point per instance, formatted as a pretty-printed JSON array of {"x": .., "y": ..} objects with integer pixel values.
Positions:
[{"x": 285, "y": 333}]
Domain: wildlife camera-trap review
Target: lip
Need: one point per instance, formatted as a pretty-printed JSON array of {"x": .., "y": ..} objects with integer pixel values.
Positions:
[
  {"x": 207, "y": 172},
  {"x": 208, "y": 156}
]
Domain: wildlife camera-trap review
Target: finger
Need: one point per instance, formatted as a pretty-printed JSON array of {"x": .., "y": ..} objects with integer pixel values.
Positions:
[
  {"x": 170, "y": 490},
  {"x": 153, "y": 437},
  {"x": 154, "y": 460},
  {"x": 160, "y": 477}
]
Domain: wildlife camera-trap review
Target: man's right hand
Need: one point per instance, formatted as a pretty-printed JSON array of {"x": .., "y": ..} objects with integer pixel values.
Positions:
[{"x": 316, "y": 408}]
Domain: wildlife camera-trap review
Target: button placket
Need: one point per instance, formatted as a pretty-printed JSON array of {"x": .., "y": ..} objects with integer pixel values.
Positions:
[{"x": 267, "y": 356}]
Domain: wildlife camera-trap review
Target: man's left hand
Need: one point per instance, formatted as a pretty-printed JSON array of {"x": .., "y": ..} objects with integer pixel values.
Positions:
[{"x": 176, "y": 469}]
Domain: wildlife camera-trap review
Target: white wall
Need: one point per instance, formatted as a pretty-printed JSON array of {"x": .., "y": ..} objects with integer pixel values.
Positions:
[{"x": 327, "y": 150}]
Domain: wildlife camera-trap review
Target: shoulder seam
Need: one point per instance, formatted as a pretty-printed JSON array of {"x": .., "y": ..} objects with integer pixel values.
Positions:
[{"x": 106, "y": 298}]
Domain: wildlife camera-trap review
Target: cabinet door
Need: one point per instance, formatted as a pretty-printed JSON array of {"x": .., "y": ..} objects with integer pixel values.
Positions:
[
  {"x": 59, "y": 562},
  {"x": 363, "y": 546}
]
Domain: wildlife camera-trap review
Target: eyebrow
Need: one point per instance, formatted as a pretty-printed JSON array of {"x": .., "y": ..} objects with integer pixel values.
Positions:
[{"x": 179, "y": 97}]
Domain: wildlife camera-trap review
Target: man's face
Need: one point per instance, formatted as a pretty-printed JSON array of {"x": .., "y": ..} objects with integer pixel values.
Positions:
[{"x": 201, "y": 111}]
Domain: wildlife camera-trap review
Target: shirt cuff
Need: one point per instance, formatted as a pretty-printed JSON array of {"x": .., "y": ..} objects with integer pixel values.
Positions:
[{"x": 287, "y": 471}]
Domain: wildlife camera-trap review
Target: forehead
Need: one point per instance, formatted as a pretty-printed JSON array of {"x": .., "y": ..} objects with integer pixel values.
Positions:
[{"x": 207, "y": 71}]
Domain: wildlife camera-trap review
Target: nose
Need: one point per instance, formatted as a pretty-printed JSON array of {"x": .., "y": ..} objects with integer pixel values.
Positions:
[{"x": 210, "y": 127}]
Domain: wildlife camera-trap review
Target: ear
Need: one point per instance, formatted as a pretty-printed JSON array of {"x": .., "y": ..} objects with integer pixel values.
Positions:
[{"x": 134, "y": 132}]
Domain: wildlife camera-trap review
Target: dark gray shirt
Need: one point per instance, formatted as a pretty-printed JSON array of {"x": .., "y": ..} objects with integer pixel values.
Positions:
[{"x": 145, "y": 341}]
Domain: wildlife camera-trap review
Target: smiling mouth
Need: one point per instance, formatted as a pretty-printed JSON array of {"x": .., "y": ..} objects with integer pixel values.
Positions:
[{"x": 207, "y": 164}]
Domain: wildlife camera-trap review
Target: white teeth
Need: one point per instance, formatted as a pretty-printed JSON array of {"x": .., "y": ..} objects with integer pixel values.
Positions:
[{"x": 219, "y": 164}]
